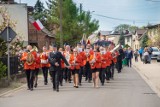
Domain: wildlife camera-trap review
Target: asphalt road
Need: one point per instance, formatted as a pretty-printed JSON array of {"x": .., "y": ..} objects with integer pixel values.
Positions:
[{"x": 127, "y": 89}]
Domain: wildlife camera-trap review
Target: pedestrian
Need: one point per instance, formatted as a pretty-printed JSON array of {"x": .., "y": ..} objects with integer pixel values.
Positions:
[
  {"x": 136, "y": 55},
  {"x": 146, "y": 58},
  {"x": 150, "y": 50},
  {"x": 140, "y": 52},
  {"x": 129, "y": 56},
  {"x": 55, "y": 61}
]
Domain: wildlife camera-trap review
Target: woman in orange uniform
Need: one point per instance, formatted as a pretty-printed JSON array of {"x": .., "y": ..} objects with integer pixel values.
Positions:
[
  {"x": 75, "y": 61},
  {"x": 45, "y": 64},
  {"x": 37, "y": 67},
  {"x": 95, "y": 63},
  {"x": 28, "y": 58}
]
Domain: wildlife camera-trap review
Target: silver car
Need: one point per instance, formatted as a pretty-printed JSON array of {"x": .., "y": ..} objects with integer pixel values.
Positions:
[{"x": 155, "y": 53}]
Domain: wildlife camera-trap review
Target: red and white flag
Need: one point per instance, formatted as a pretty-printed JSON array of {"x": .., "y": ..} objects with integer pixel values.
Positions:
[{"x": 38, "y": 25}]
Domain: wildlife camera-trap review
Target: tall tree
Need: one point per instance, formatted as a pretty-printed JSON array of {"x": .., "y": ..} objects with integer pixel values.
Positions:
[
  {"x": 124, "y": 27},
  {"x": 121, "y": 39},
  {"x": 74, "y": 23},
  {"x": 144, "y": 40},
  {"x": 39, "y": 11}
]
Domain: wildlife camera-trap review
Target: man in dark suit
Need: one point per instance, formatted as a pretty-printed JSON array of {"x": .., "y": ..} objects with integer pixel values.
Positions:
[{"x": 55, "y": 58}]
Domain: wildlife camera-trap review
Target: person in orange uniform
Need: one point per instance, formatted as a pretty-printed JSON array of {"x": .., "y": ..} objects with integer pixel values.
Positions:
[
  {"x": 104, "y": 60},
  {"x": 37, "y": 67},
  {"x": 88, "y": 72},
  {"x": 95, "y": 63},
  {"x": 28, "y": 58},
  {"x": 109, "y": 62},
  {"x": 62, "y": 68},
  {"x": 45, "y": 64},
  {"x": 82, "y": 54},
  {"x": 114, "y": 61},
  {"x": 75, "y": 61}
]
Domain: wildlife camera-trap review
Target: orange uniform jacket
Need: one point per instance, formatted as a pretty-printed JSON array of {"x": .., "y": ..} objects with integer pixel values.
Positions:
[
  {"x": 44, "y": 56},
  {"x": 23, "y": 58},
  {"x": 38, "y": 62},
  {"x": 104, "y": 60},
  {"x": 78, "y": 61},
  {"x": 109, "y": 58},
  {"x": 97, "y": 64}
]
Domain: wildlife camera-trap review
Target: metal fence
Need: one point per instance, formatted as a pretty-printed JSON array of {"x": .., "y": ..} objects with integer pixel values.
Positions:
[{"x": 14, "y": 64}]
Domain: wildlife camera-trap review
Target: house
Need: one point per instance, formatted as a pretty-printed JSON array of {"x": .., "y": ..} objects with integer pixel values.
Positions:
[
  {"x": 128, "y": 39},
  {"x": 153, "y": 31},
  {"x": 137, "y": 37},
  {"x": 18, "y": 15},
  {"x": 39, "y": 38},
  {"x": 113, "y": 37}
]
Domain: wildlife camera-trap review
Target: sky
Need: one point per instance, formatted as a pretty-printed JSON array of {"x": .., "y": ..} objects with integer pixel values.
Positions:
[{"x": 111, "y": 13}]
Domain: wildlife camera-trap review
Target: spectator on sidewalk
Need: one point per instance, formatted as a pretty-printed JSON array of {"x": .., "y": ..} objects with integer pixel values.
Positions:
[
  {"x": 141, "y": 53},
  {"x": 136, "y": 54},
  {"x": 146, "y": 56},
  {"x": 129, "y": 56},
  {"x": 150, "y": 50}
]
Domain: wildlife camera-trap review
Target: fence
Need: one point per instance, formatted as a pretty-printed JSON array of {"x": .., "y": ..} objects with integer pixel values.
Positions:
[{"x": 14, "y": 63}]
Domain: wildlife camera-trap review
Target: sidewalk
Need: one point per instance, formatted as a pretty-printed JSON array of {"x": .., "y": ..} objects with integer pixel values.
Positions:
[{"x": 150, "y": 73}]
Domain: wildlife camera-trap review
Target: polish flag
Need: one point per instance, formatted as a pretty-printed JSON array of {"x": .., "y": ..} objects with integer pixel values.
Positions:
[{"x": 38, "y": 25}]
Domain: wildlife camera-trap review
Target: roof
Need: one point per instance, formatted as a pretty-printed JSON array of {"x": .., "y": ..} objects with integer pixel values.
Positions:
[
  {"x": 140, "y": 31},
  {"x": 105, "y": 32},
  {"x": 44, "y": 30},
  {"x": 152, "y": 26},
  {"x": 127, "y": 35},
  {"x": 115, "y": 33}
]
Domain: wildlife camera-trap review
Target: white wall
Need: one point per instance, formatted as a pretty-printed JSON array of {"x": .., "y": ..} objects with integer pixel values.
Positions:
[
  {"x": 18, "y": 13},
  {"x": 128, "y": 42}
]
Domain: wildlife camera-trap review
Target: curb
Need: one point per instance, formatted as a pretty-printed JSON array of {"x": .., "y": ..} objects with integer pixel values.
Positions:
[
  {"x": 11, "y": 91},
  {"x": 147, "y": 80}
]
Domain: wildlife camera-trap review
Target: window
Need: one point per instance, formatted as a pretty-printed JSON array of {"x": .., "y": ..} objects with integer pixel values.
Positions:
[{"x": 128, "y": 39}]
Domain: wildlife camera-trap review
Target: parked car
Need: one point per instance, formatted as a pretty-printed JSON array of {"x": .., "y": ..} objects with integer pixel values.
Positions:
[
  {"x": 158, "y": 58},
  {"x": 155, "y": 53}
]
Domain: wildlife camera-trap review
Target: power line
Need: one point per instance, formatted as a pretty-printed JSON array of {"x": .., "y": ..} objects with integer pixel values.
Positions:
[{"x": 129, "y": 20}]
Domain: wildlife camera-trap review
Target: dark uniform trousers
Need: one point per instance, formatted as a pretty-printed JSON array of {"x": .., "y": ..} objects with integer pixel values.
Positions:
[
  {"x": 56, "y": 57},
  {"x": 30, "y": 78}
]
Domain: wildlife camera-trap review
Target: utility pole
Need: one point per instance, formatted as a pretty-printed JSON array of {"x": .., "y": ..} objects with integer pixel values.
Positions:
[
  {"x": 8, "y": 51},
  {"x": 61, "y": 30}
]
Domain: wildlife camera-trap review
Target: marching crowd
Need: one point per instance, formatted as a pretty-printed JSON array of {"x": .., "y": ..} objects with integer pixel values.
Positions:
[{"x": 93, "y": 62}]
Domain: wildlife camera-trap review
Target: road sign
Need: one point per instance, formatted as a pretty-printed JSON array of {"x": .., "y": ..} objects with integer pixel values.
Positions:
[{"x": 11, "y": 35}]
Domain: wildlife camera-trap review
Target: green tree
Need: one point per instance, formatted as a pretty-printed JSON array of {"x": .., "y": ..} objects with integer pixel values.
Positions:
[
  {"x": 144, "y": 41},
  {"x": 124, "y": 27},
  {"x": 2, "y": 70},
  {"x": 3, "y": 47},
  {"x": 39, "y": 11},
  {"x": 74, "y": 24},
  {"x": 121, "y": 39}
]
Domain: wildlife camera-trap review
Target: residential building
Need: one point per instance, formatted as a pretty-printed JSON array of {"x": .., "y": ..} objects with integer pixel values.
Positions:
[
  {"x": 128, "y": 39},
  {"x": 39, "y": 38},
  {"x": 18, "y": 15},
  {"x": 153, "y": 31},
  {"x": 137, "y": 37}
]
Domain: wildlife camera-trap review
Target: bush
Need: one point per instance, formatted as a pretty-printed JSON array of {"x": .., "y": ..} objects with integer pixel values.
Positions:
[{"x": 3, "y": 69}]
